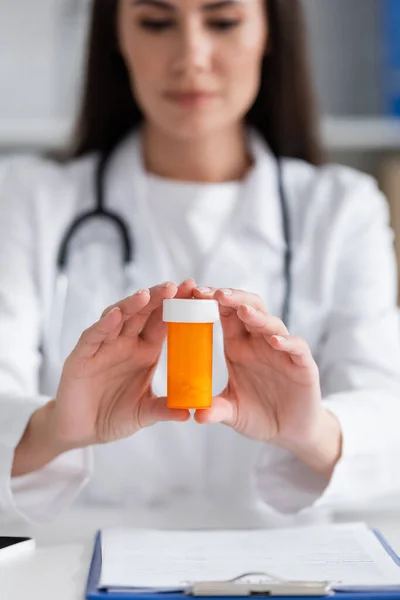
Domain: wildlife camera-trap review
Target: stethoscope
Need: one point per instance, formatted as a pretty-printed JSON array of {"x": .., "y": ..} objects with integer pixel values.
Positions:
[{"x": 128, "y": 251}]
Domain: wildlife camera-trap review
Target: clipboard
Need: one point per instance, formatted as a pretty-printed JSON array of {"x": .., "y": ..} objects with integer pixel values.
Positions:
[{"x": 93, "y": 593}]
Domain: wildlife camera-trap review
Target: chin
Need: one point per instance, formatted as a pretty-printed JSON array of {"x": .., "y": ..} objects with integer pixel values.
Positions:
[
  {"x": 192, "y": 129},
  {"x": 193, "y": 124}
]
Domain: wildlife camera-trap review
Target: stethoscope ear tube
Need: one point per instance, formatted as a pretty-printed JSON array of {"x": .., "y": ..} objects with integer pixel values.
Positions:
[
  {"x": 100, "y": 211},
  {"x": 56, "y": 318},
  {"x": 57, "y": 314},
  {"x": 288, "y": 246}
]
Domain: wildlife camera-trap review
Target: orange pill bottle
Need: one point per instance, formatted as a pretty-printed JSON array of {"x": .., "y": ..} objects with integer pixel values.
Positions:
[{"x": 190, "y": 352}]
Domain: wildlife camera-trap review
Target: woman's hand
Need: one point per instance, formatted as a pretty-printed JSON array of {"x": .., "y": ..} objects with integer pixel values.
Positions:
[
  {"x": 273, "y": 392},
  {"x": 105, "y": 391}
]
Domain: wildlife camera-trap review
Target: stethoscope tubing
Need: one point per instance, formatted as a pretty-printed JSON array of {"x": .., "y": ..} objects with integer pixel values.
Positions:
[{"x": 101, "y": 212}]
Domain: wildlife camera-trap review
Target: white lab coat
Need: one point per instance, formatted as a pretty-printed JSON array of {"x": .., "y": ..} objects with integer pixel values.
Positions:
[{"x": 343, "y": 304}]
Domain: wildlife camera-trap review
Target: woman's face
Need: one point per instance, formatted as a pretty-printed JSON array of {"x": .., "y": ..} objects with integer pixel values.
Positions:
[{"x": 194, "y": 65}]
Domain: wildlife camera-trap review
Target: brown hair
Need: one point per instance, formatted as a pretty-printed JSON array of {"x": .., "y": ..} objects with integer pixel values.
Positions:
[{"x": 283, "y": 112}]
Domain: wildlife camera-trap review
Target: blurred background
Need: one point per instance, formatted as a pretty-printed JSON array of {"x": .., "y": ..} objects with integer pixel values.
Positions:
[{"x": 355, "y": 53}]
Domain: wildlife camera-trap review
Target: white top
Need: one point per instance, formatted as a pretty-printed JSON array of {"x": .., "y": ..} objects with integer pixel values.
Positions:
[
  {"x": 189, "y": 218},
  {"x": 343, "y": 304}
]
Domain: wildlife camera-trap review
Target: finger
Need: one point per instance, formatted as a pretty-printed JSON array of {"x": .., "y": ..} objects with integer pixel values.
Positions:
[
  {"x": 229, "y": 301},
  {"x": 261, "y": 323},
  {"x": 297, "y": 348},
  {"x": 115, "y": 334},
  {"x": 229, "y": 298},
  {"x": 204, "y": 292},
  {"x": 155, "y": 329},
  {"x": 232, "y": 326},
  {"x": 91, "y": 339},
  {"x": 158, "y": 293},
  {"x": 154, "y": 410},
  {"x": 186, "y": 289},
  {"x": 222, "y": 411},
  {"x": 138, "y": 299},
  {"x": 131, "y": 305}
]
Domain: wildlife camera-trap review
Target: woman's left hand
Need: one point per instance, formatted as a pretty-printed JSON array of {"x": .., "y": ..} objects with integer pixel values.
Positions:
[{"x": 273, "y": 392}]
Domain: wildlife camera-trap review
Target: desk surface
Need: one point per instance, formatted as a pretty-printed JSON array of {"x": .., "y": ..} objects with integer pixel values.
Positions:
[{"x": 64, "y": 550}]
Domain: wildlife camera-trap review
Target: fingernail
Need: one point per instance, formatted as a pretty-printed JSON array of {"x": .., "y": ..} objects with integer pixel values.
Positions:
[
  {"x": 250, "y": 309},
  {"x": 204, "y": 290},
  {"x": 280, "y": 339},
  {"x": 166, "y": 284},
  {"x": 139, "y": 292},
  {"x": 113, "y": 310},
  {"x": 227, "y": 292}
]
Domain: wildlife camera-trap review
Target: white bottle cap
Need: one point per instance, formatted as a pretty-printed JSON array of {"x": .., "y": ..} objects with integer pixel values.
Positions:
[{"x": 179, "y": 310}]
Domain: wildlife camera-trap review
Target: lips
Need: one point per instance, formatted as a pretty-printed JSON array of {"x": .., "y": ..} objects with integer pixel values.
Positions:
[{"x": 190, "y": 98}]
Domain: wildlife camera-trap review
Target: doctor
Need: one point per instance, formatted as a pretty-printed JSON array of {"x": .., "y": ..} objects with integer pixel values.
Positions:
[{"x": 200, "y": 115}]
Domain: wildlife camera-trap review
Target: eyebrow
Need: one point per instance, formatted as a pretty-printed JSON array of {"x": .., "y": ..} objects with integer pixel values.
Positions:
[{"x": 208, "y": 7}]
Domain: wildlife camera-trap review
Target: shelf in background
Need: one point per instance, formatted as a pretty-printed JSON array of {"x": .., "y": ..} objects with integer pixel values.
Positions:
[
  {"x": 34, "y": 134},
  {"x": 356, "y": 134},
  {"x": 361, "y": 133}
]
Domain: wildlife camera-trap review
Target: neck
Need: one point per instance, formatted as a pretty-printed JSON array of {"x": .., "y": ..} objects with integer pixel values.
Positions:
[{"x": 219, "y": 157}]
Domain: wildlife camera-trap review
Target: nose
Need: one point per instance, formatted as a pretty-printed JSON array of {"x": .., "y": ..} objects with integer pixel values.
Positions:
[{"x": 194, "y": 49}]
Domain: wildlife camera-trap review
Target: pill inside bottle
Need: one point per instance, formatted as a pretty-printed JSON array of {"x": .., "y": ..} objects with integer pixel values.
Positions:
[{"x": 190, "y": 352}]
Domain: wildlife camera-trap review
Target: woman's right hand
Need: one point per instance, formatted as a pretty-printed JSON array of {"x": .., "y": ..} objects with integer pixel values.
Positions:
[{"x": 105, "y": 391}]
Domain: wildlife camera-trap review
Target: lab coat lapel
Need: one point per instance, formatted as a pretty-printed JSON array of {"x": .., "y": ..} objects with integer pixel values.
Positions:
[
  {"x": 151, "y": 266},
  {"x": 249, "y": 257},
  {"x": 127, "y": 187},
  {"x": 254, "y": 238}
]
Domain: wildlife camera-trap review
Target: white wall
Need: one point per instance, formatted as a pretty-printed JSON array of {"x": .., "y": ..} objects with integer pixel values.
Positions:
[
  {"x": 40, "y": 47},
  {"x": 26, "y": 58}
]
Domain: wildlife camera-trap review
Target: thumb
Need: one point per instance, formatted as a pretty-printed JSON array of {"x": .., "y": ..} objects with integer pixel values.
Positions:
[
  {"x": 154, "y": 410},
  {"x": 155, "y": 330},
  {"x": 222, "y": 411}
]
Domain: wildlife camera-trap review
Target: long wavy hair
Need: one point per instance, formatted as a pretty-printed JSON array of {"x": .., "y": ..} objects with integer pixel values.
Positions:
[{"x": 283, "y": 111}]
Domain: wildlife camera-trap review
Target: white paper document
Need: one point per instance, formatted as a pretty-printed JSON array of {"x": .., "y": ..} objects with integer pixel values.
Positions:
[{"x": 346, "y": 555}]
